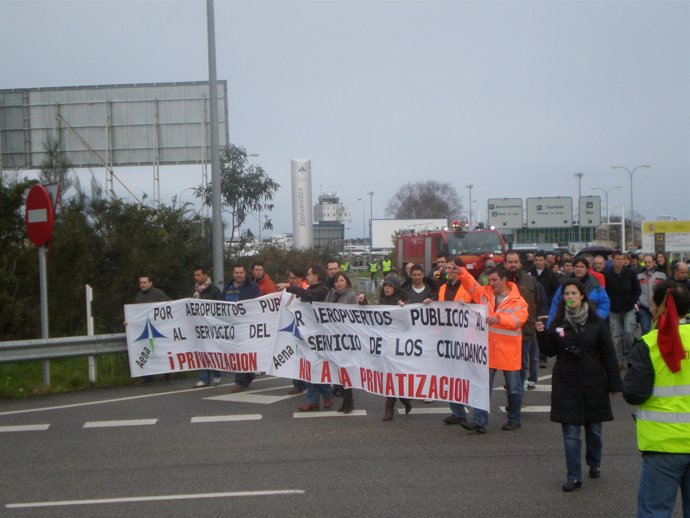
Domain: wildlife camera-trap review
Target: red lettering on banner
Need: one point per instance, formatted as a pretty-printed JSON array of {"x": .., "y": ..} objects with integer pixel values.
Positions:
[
  {"x": 345, "y": 378},
  {"x": 362, "y": 376},
  {"x": 181, "y": 360},
  {"x": 326, "y": 373},
  {"x": 390, "y": 386},
  {"x": 433, "y": 389},
  {"x": 443, "y": 388},
  {"x": 304, "y": 369},
  {"x": 170, "y": 361},
  {"x": 253, "y": 362},
  {"x": 190, "y": 361},
  {"x": 370, "y": 388},
  {"x": 420, "y": 386},
  {"x": 378, "y": 385}
]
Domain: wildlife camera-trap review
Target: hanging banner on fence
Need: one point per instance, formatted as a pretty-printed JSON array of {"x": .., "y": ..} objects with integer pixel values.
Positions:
[
  {"x": 191, "y": 334},
  {"x": 437, "y": 351}
]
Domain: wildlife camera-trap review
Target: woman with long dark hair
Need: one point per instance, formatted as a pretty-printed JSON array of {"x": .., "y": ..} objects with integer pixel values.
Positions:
[
  {"x": 585, "y": 373},
  {"x": 342, "y": 293}
]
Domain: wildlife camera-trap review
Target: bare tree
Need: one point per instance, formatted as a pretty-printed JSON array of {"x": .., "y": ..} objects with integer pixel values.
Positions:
[{"x": 430, "y": 199}]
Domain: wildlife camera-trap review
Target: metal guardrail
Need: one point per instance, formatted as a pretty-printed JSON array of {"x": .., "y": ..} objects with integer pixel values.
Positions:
[{"x": 65, "y": 347}]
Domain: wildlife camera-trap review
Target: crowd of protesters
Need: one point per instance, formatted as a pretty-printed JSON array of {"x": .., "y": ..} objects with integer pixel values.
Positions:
[{"x": 587, "y": 311}]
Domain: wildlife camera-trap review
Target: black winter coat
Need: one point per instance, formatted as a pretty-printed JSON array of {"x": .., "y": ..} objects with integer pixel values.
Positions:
[{"x": 581, "y": 382}]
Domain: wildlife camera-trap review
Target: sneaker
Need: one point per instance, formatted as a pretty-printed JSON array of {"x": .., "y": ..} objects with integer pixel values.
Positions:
[
  {"x": 454, "y": 419},
  {"x": 511, "y": 425},
  {"x": 572, "y": 485},
  {"x": 200, "y": 384},
  {"x": 531, "y": 385},
  {"x": 216, "y": 380},
  {"x": 594, "y": 471}
]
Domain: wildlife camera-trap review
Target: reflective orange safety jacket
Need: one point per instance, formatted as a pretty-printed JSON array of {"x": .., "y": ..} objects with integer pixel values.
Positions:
[{"x": 505, "y": 338}]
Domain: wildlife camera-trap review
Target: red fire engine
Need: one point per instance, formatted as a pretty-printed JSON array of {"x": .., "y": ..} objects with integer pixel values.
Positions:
[{"x": 474, "y": 247}]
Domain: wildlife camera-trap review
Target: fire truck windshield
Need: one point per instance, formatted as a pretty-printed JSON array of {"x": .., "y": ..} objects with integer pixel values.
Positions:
[{"x": 474, "y": 243}]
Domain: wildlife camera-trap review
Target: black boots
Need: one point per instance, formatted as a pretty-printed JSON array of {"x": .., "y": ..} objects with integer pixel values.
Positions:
[{"x": 348, "y": 402}]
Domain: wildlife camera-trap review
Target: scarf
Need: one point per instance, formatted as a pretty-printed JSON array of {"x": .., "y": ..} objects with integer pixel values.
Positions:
[
  {"x": 200, "y": 288},
  {"x": 668, "y": 337},
  {"x": 577, "y": 317}
]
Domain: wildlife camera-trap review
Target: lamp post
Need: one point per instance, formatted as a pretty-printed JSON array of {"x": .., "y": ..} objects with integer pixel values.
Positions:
[
  {"x": 608, "y": 212},
  {"x": 579, "y": 195},
  {"x": 632, "y": 206},
  {"x": 469, "y": 187},
  {"x": 371, "y": 216},
  {"x": 364, "y": 222}
]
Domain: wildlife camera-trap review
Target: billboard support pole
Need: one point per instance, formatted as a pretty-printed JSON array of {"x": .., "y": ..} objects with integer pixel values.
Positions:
[{"x": 217, "y": 216}]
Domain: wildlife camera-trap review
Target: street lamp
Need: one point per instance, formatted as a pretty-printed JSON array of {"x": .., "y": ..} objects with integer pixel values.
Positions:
[
  {"x": 579, "y": 195},
  {"x": 364, "y": 222},
  {"x": 608, "y": 212},
  {"x": 632, "y": 206},
  {"x": 469, "y": 187},
  {"x": 371, "y": 216}
]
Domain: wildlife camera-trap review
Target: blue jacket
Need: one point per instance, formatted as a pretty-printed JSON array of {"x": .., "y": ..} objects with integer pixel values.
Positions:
[
  {"x": 245, "y": 291},
  {"x": 596, "y": 294}
]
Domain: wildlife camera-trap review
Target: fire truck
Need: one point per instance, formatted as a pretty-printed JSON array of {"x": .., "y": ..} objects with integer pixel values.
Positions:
[{"x": 474, "y": 247}]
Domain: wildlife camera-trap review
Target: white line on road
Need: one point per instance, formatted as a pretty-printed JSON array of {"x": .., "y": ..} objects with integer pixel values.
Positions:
[
  {"x": 533, "y": 409},
  {"x": 426, "y": 410},
  {"x": 128, "y": 422},
  {"x": 223, "y": 418},
  {"x": 118, "y": 400},
  {"x": 25, "y": 505},
  {"x": 25, "y": 428},
  {"x": 333, "y": 413}
]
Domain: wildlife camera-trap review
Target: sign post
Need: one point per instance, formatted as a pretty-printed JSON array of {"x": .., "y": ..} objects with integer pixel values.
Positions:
[{"x": 40, "y": 218}]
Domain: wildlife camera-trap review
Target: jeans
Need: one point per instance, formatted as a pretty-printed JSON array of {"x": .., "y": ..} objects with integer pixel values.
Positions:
[
  {"x": 644, "y": 317},
  {"x": 300, "y": 385},
  {"x": 315, "y": 391},
  {"x": 622, "y": 328},
  {"x": 572, "y": 443},
  {"x": 244, "y": 378},
  {"x": 662, "y": 474},
  {"x": 530, "y": 361},
  {"x": 481, "y": 417},
  {"x": 205, "y": 376}
]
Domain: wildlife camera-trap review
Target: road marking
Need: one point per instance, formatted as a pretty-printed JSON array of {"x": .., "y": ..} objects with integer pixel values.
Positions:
[
  {"x": 332, "y": 413},
  {"x": 24, "y": 505},
  {"x": 129, "y": 422},
  {"x": 252, "y": 396},
  {"x": 531, "y": 409},
  {"x": 128, "y": 398},
  {"x": 425, "y": 410},
  {"x": 224, "y": 418},
  {"x": 25, "y": 428}
]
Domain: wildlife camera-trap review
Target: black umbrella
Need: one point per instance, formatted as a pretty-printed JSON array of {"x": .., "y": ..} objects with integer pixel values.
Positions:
[{"x": 596, "y": 250}]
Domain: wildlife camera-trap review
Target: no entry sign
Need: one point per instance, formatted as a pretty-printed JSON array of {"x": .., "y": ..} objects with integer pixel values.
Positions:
[{"x": 40, "y": 215}]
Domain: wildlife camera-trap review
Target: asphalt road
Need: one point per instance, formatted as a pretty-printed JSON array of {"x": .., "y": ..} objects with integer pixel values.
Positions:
[{"x": 160, "y": 461}]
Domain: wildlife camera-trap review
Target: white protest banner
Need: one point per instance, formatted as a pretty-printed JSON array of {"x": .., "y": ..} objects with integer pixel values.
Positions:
[
  {"x": 437, "y": 351},
  {"x": 191, "y": 334}
]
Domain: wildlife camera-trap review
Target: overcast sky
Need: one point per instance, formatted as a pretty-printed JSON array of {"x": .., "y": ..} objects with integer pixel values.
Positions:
[{"x": 514, "y": 97}]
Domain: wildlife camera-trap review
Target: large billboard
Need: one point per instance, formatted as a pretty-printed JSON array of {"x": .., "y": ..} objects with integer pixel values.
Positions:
[
  {"x": 673, "y": 234},
  {"x": 505, "y": 212},
  {"x": 549, "y": 212},
  {"x": 111, "y": 125}
]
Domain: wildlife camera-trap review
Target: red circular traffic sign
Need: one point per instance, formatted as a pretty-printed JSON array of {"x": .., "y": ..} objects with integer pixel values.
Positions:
[{"x": 40, "y": 215}]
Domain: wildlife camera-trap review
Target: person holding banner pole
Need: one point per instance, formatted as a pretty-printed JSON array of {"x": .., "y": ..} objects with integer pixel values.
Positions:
[
  {"x": 296, "y": 277},
  {"x": 342, "y": 293},
  {"x": 507, "y": 312},
  {"x": 390, "y": 295},
  {"x": 205, "y": 289},
  {"x": 316, "y": 292}
]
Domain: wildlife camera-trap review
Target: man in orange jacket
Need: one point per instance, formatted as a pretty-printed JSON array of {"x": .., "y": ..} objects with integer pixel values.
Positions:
[{"x": 507, "y": 312}]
